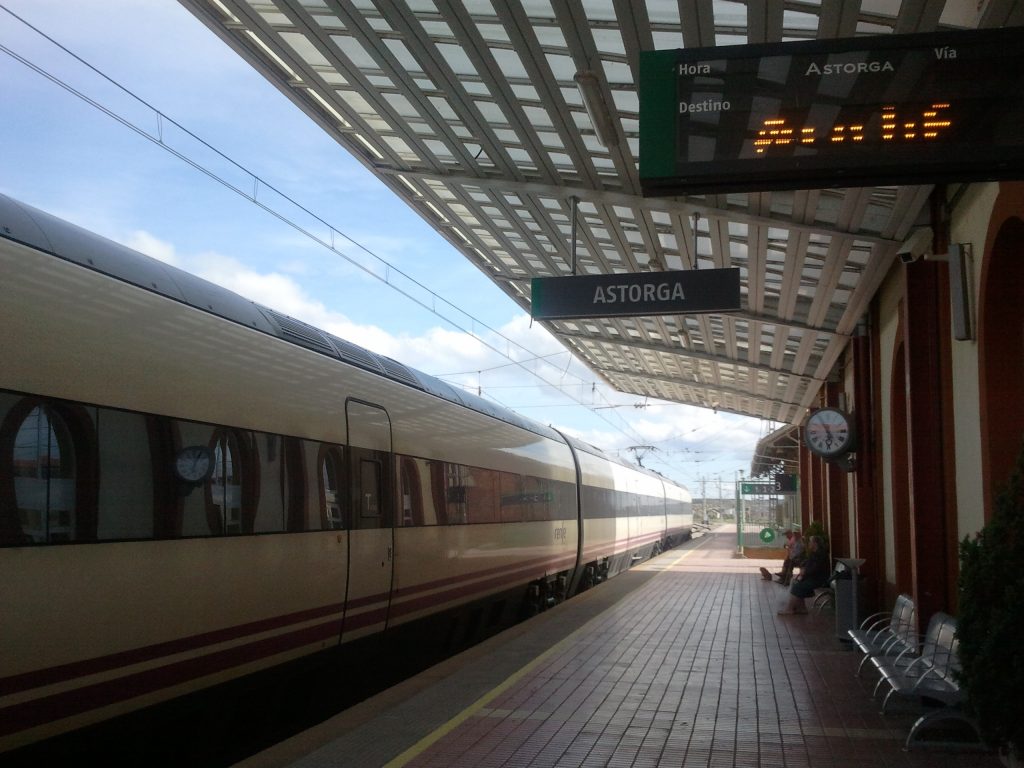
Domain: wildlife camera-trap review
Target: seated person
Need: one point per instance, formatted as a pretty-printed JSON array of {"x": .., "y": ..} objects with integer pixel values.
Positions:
[
  {"x": 794, "y": 556},
  {"x": 814, "y": 573}
]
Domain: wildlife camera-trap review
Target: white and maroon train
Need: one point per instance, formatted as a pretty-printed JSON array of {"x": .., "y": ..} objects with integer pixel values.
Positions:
[{"x": 194, "y": 488}]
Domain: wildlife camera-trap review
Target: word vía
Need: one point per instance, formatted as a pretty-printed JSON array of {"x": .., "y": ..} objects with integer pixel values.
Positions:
[{"x": 925, "y": 125}]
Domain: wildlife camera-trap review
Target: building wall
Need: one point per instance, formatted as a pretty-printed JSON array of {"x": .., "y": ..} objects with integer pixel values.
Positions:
[
  {"x": 888, "y": 298},
  {"x": 970, "y": 225}
]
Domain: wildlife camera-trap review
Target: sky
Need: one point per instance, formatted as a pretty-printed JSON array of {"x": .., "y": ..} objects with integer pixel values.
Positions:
[{"x": 75, "y": 145}]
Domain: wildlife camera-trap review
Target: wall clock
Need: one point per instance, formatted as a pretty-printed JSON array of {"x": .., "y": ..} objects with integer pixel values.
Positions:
[{"x": 829, "y": 433}]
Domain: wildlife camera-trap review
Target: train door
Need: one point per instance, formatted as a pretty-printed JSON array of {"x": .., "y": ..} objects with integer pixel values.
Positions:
[{"x": 371, "y": 543}]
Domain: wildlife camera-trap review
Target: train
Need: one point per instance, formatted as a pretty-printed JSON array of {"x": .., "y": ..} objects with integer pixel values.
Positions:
[{"x": 195, "y": 488}]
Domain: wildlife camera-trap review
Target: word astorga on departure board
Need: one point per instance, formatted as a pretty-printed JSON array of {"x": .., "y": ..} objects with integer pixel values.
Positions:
[{"x": 897, "y": 109}]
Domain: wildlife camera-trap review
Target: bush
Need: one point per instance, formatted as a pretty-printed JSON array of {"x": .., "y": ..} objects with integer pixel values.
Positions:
[{"x": 991, "y": 621}]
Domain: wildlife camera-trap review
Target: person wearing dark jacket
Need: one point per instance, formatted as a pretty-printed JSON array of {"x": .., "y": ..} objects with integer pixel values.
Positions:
[
  {"x": 794, "y": 557},
  {"x": 813, "y": 574}
]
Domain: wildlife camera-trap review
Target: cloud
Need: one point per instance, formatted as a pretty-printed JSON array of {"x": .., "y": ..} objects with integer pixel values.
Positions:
[
  {"x": 685, "y": 442},
  {"x": 144, "y": 242},
  {"x": 436, "y": 349}
]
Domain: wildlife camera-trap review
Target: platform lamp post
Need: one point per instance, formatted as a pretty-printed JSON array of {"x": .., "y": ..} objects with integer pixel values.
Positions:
[{"x": 739, "y": 514}]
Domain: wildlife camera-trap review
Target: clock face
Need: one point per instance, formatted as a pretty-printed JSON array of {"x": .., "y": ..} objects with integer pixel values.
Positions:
[
  {"x": 193, "y": 464},
  {"x": 828, "y": 432}
]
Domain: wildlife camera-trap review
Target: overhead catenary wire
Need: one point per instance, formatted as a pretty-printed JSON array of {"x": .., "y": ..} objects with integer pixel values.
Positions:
[
  {"x": 265, "y": 196},
  {"x": 161, "y": 139}
]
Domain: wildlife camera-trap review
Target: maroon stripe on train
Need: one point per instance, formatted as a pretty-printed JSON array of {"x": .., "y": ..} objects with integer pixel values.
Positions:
[
  {"x": 518, "y": 567},
  {"x": 34, "y": 679},
  {"x": 427, "y": 601},
  {"x": 62, "y": 672},
  {"x": 18, "y": 717},
  {"x": 58, "y": 706},
  {"x": 365, "y": 619},
  {"x": 522, "y": 565}
]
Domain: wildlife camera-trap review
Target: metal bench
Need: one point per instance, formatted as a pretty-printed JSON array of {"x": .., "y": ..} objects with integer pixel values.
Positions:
[
  {"x": 824, "y": 597},
  {"x": 887, "y": 633},
  {"x": 928, "y": 675}
]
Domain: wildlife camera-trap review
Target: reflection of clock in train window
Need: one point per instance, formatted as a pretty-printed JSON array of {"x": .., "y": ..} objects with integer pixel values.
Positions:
[
  {"x": 828, "y": 432},
  {"x": 193, "y": 464}
]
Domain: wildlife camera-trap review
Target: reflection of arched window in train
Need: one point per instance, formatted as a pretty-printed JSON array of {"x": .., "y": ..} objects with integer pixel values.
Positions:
[
  {"x": 331, "y": 468},
  {"x": 412, "y": 493},
  {"x": 44, "y": 477},
  {"x": 455, "y": 491},
  {"x": 226, "y": 481},
  {"x": 48, "y": 473},
  {"x": 232, "y": 492},
  {"x": 293, "y": 486}
]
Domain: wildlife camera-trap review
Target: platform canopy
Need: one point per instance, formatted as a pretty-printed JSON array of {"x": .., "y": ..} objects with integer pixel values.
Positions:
[{"x": 473, "y": 113}]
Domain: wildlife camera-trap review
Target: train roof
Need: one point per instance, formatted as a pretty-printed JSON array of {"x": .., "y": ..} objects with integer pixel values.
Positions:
[
  {"x": 30, "y": 226},
  {"x": 585, "y": 447}
]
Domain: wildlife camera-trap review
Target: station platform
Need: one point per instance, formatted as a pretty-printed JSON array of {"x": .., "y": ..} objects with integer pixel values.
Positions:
[{"x": 682, "y": 661}]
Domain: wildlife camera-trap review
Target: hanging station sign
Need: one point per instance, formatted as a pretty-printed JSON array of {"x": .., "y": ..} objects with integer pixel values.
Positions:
[
  {"x": 893, "y": 109},
  {"x": 637, "y": 294},
  {"x": 778, "y": 485}
]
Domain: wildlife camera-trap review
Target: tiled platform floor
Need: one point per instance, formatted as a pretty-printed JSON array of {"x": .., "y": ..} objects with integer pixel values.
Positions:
[{"x": 693, "y": 667}]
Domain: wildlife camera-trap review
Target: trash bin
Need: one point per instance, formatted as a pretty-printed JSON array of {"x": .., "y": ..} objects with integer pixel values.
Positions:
[{"x": 845, "y": 585}]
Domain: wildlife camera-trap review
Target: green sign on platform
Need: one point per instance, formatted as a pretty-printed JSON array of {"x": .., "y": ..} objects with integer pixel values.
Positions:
[{"x": 780, "y": 485}]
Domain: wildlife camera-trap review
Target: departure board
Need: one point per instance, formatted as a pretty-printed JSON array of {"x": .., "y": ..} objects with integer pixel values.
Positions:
[{"x": 894, "y": 109}]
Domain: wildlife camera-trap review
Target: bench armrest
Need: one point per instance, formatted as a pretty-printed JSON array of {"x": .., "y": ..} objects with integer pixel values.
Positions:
[{"x": 874, "y": 619}]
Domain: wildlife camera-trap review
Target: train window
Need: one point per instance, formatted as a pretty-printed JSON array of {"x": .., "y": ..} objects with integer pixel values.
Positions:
[
  {"x": 481, "y": 495},
  {"x": 525, "y": 498},
  {"x": 282, "y": 507},
  {"x": 331, "y": 510},
  {"x": 425, "y": 479},
  {"x": 371, "y": 494},
  {"x": 512, "y": 507},
  {"x": 438, "y": 503},
  {"x": 44, "y": 477},
  {"x": 72, "y": 472},
  {"x": 293, "y": 485},
  {"x": 369, "y": 488},
  {"x": 226, "y": 483},
  {"x": 456, "y": 493},
  {"x": 231, "y": 489},
  {"x": 411, "y": 490},
  {"x": 48, "y": 473},
  {"x": 127, "y": 464}
]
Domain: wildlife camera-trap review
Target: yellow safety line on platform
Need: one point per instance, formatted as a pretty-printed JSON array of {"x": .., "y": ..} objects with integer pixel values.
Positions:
[{"x": 438, "y": 733}]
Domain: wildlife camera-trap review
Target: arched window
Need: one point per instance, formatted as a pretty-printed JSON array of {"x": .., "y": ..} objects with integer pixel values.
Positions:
[
  {"x": 44, "y": 477},
  {"x": 226, "y": 482},
  {"x": 331, "y": 496},
  {"x": 48, "y": 474},
  {"x": 233, "y": 488},
  {"x": 411, "y": 493}
]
